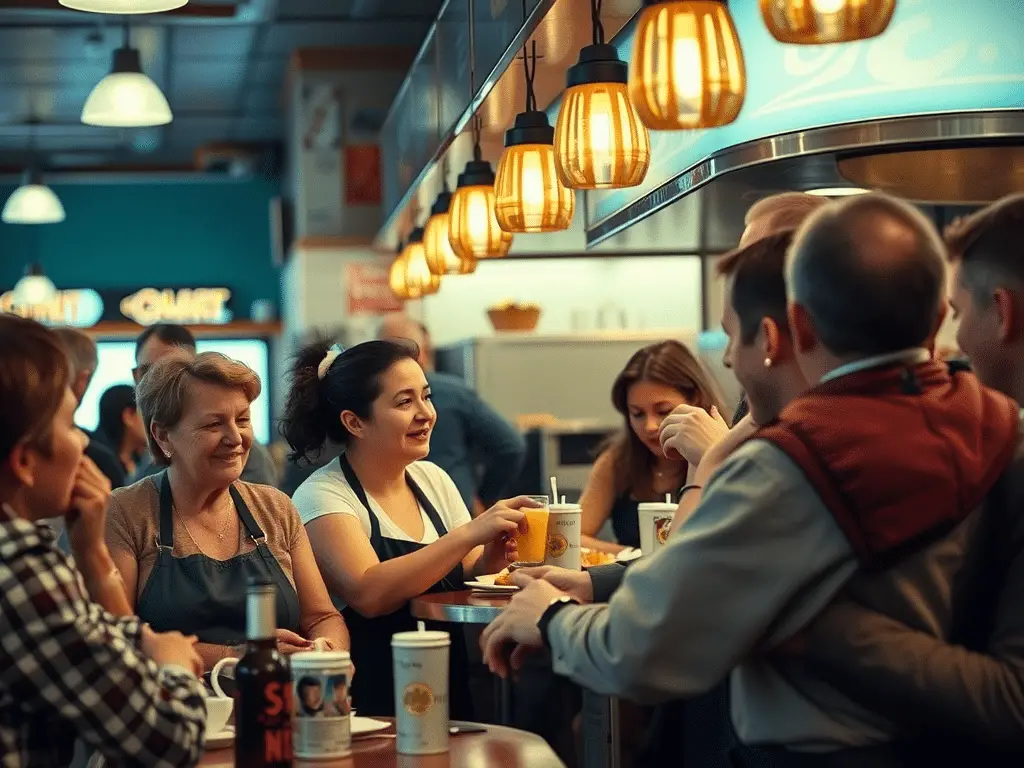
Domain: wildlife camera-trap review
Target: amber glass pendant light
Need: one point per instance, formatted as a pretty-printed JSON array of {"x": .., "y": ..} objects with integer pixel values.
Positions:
[
  {"x": 474, "y": 232},
  {"x": 600, "y": 142},
  {"x": 419, "y": 280},
  {"x": 529, "y": 195},
  {"x": 441, "y": 259},
  {"x": 813, "y": 22},
  {"x": 396, "y": 275},
  {"x": 687, "y": 66}
]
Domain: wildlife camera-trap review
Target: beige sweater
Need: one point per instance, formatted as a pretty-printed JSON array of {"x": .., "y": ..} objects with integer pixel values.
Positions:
[{"x": 133, "y": 525}]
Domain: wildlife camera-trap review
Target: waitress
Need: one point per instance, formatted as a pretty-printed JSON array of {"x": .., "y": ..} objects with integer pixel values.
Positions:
[
  {"x": 386, "y": 526},
  {"x": 187, "y": 541}
]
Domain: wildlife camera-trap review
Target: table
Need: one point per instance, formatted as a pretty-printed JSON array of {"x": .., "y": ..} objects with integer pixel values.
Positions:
[
  {"x": 498, "y": 746},
  {"x": 468, "y": 608}
]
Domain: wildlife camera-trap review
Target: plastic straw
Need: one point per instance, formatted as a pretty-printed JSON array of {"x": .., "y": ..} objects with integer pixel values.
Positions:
[
  {"x": 563, "y": 501},
  {"x": 421, "y": 627},
  {"x": 554, "y": 489},
  {"x": 668, "y": 498}
]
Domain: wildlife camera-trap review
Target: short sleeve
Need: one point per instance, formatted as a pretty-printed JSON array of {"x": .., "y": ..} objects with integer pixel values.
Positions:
[
  {"x": 120, "y": 533},
  {"x": 323, "y": 495}
]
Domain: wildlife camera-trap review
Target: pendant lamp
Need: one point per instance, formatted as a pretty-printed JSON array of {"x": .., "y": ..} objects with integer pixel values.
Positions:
[
  {"x": 529, "y": 195},
  {"x": 600, "y": 142},
  {"x": 126, "y": 98},
  {"x": 813, "y": 22},
  {"x": 419, "y": 280},
  {"x": 33, "y": 203},
  {"x": 123, "y": 7},
  {"x": 34, "y": 288},
  {"x": 396, "y": 274},
  {"x": 474, "y": 231},
  {"x": 441, "y": 259},
  {"x": 687, "y": 67}
]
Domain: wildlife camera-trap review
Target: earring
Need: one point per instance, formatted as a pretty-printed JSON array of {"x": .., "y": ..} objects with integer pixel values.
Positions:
[{"x": 767, "y": 362}]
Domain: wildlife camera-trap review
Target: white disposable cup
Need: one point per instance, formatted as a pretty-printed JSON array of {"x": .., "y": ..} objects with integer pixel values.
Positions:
[
  {"x": 655, "y": 525},
  {"x": 563, "y": 550},
  {"x": 322, "y": 722},
  {"x": 421, "y": 691}
]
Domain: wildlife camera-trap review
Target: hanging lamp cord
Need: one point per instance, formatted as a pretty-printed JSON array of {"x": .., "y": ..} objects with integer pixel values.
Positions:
[
  {"x": 530, "y": 68},
  {"x": 595, "y": 20}
]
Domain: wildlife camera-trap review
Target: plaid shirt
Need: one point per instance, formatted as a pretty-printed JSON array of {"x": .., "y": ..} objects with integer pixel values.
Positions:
[{"x": 69, "y": 669}]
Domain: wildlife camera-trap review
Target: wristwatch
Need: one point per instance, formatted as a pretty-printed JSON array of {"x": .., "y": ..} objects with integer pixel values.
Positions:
[{"x": 549, "y": 613}]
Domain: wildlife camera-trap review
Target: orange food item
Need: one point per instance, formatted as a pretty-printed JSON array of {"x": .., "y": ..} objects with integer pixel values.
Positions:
[
  {"x": 591, "y": 557},
  {"x": 504, "y": 579}
]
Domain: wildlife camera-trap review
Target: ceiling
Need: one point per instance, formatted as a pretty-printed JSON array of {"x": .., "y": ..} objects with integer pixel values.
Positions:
[{"x": 222, "y": 65}]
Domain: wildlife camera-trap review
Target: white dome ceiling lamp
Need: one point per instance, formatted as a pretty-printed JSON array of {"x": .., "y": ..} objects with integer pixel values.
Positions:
[
  {"x": 34, "y": 288},
  {"x": 126, "y": 98},
  {"x": 33, "y": 203},
  {"x": 123, "y": 7}
]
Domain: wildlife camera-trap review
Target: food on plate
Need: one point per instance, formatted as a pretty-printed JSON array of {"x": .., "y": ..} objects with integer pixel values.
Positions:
[
  {"x": 504, "y": 579},
  {"x": 591, "y": 557}
]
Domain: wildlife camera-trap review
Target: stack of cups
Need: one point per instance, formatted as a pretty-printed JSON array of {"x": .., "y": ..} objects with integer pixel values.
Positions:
[
  {"x": 563, "y": 549},
  {"x": 421, "y": 691},
  {"x": 322, "y": 727},
  {"x": 655, "y": 525}
]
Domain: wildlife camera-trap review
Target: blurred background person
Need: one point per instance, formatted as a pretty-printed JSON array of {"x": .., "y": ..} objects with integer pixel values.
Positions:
[
  {"x": 120, "y": 428},
  {"x": 633, "y": 467}
]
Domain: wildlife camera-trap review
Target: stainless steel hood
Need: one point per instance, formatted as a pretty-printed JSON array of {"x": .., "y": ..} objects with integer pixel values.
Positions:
[{"x": 961, "y": 159}]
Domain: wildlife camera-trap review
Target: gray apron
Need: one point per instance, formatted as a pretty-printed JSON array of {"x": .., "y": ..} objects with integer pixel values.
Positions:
[{"x": 197, "y": 595}]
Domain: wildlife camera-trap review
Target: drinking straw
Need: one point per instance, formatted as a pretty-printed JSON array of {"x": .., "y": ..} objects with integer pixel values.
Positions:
[
  {"x": 554, "y": 488},
  {"x": 668, "y": 498},
  {"x": 421, "y": 627}
]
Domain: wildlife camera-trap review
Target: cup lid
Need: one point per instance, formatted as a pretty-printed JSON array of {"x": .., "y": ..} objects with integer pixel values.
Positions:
[
  {"x": 564, "y": 508},
  {"x": 319, "y": 658},
  {"x": 420, "y": 639},
  {"x": 657, "y": 506}
]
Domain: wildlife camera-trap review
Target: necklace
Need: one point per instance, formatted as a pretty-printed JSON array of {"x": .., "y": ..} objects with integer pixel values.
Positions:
[{"x": 219, "y": 534}]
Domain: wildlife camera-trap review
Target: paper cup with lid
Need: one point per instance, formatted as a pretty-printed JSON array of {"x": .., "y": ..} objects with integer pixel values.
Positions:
[{"x": 421, "y": 691}]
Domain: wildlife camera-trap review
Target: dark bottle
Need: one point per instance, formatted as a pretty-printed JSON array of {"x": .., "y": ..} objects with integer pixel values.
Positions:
[{"x": 263, "y": 698}]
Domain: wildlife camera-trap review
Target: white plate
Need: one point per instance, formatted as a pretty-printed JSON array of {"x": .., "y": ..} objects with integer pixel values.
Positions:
[
  {"x": 486, "y": 584},
  {"x": 628, "y": 555},
  {"x": 223, "y": 739},
  {"x": 364, "y": 725}
]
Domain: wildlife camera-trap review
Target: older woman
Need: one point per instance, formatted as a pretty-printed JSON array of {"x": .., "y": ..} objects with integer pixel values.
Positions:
[
  {"x": 68, "y": 668},
  {"x": 188, "y": 540}
]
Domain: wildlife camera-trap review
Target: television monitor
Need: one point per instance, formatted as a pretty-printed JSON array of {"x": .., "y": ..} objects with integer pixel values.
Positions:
[{"x": 117, "y": 358}]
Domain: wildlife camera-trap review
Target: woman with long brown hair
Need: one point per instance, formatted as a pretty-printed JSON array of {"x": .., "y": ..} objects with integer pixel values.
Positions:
[{"x": 632, "y": 468}]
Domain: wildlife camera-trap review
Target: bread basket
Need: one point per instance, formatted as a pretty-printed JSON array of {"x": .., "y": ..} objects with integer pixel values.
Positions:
[{"x": 514, "y": 317}]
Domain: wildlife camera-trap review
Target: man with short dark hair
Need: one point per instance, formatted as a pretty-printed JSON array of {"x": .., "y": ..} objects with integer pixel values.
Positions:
[
  {"x": 153, "y": 344},
  {"x": 883, "y": 503}
]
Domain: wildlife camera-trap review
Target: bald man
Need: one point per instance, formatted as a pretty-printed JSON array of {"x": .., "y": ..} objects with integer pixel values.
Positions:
[
  {"x": 482, "y": 452},
  {"x": 882, "y": 505}
]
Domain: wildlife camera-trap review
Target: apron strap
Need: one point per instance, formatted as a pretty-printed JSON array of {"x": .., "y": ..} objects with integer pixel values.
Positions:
[
  {"x": 428, "y": 507},
  {"x": 166, "y": 539},
  {"x": 360, "y": 492},
  {"x": 251, "y": 526}
]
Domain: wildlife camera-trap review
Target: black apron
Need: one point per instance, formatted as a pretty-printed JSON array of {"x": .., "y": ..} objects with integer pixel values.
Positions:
[
  {"x": 197, "y": 595},
  {"x": 373, "y": 685}
]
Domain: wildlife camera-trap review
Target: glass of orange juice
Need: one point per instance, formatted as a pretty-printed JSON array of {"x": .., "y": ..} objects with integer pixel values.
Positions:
[{"x": 532, "y": 545}]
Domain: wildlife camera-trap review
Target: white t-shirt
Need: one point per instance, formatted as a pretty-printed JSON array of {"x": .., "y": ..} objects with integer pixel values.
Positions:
[{"x": 327, "y": 492}]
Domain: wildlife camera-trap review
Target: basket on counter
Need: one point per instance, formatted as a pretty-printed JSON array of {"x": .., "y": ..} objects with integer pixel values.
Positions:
[{"x": 514, "y": 317}]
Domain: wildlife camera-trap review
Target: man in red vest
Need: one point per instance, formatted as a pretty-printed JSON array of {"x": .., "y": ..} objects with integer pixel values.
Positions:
[{"x": 871, "y": 482}]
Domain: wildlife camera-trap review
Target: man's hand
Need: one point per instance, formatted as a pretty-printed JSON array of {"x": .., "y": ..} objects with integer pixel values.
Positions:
[
  {"x": 288, "y": 642},
  {"x": 515, "y": 632},
  {"x": 689, "y": 431},
  {"x": 576, "y": 584},
  {"x": 722, "y": 449}
]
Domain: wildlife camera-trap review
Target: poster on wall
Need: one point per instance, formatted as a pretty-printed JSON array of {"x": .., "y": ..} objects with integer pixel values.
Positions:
[
  {"x": 362, "y": 174},
  {"x": 368, "y": 290}
]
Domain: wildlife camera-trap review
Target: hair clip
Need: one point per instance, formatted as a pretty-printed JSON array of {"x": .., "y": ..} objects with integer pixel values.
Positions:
[{"x": 329, "y": 358}]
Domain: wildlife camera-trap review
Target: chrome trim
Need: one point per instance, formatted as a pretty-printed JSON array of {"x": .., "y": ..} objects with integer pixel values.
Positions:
[
  {"x": 447, "y": 136},
  {"x": 941, "y": 128}
]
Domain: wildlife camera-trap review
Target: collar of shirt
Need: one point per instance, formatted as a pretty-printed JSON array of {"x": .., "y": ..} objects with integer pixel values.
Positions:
[
  {"x": 9, "y": 516},
  {"x": 914, "y": 356}
]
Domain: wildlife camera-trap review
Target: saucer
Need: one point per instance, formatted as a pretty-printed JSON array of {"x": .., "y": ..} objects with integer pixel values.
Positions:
[{"x": 221, "y": 740}]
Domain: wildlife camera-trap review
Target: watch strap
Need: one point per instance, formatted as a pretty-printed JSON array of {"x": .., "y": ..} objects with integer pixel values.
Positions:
[{"x": 549, "y": 614}]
